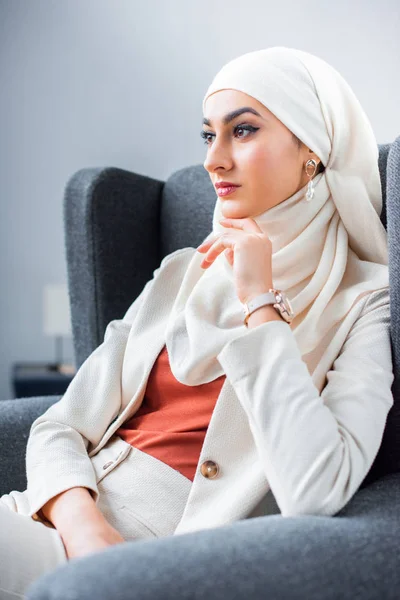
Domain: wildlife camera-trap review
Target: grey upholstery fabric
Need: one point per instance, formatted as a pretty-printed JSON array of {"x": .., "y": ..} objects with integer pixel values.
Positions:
[
  {"x": 16, "y": 418},
  {"x": 388, "y": 459},
  {"x": 347, "y": 557},
  {"x": 112, "y": 237}
]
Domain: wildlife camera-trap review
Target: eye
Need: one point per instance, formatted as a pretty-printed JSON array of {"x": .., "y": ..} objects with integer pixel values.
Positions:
[
  {"x": 204, "y": 135},
  {"x": 249, "y": 128}
]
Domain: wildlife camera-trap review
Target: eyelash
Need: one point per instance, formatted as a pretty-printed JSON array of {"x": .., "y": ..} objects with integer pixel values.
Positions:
[{"x": 250, "y": 128}]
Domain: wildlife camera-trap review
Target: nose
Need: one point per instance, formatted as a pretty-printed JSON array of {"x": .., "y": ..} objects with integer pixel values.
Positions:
[{"x": 218, "y": 157}]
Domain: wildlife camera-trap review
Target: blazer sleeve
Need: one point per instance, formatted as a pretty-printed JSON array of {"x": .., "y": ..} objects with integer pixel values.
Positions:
[
  {"x": 316, "y": 449},
  {"x": 56, "y": 455}
]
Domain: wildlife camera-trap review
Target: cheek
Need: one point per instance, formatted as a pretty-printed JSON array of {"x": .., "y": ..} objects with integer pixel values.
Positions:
[
  {"x": 270, "y": 171},
  {"x": 263, "y": 164}
]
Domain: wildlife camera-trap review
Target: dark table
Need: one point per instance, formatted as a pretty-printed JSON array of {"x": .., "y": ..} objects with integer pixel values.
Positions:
[{"x": 41, "y": 379}]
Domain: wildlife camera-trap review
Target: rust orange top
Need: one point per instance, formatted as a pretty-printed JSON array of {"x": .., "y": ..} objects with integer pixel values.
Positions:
[{"x": 172, "y": 421}]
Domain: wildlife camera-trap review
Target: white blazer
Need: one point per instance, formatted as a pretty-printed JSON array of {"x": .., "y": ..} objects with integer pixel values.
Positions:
[{"x": 280, "y": 445}]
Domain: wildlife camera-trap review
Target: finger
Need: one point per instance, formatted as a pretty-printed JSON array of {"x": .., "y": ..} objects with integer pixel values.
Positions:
[
  {"x": 224, "y": 241},
  {"x": 247, "y": 224},
  {"x": 207, "y": 243}
]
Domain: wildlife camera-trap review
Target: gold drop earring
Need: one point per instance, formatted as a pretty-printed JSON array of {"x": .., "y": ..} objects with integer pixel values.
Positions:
[{"x": 310, "y": 187}]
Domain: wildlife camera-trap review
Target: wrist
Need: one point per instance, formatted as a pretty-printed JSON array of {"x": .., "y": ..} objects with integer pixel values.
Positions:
[
  {"x": 72, "y": 509},
  {"x": 84, "y": 524}
]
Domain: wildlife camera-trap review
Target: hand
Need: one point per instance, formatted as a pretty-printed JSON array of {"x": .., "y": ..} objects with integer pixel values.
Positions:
[
  {"x": 91, "y": 538},
  {"x": 248, "y": 250}
]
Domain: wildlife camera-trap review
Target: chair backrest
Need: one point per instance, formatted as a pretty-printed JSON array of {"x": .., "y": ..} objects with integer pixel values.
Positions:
[
  {"x": 119, "y": 225},
  {"x": 388, "y": 457}
]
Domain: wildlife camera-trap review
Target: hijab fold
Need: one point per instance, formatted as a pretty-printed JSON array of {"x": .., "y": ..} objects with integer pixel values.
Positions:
[{"x": 327, "y": 254}]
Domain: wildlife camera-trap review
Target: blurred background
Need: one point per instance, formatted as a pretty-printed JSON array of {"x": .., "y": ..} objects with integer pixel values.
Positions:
[{"x": 91, "y": 83}]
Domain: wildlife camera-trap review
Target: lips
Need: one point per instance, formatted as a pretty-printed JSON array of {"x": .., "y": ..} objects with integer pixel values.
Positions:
[
  {"x": 221, "y": 184},
  {"x": 225, "y": 187},
  {"x": 225, "y": 190}
]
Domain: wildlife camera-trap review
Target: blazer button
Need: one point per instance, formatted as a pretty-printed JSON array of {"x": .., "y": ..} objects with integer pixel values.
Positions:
[
  {"x": 108, "y": 464},
  {"x": 209, "y": 469}
]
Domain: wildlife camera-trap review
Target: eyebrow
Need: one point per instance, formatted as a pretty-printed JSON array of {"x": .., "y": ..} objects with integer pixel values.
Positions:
[{"x": 232, "y": 115}]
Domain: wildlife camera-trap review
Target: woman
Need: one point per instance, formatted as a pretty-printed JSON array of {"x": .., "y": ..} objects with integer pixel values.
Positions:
[{"x": 194, "y": 412}]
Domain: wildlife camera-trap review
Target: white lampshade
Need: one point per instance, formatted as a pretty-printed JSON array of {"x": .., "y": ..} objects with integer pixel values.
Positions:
[{"x": 56, "y": 312}]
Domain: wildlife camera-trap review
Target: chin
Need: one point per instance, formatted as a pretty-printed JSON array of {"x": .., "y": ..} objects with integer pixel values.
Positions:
[{"x": 234, "y": 211}]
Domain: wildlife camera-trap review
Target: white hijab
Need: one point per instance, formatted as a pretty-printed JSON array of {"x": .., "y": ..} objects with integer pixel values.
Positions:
[{"x": 327, "y": 253}]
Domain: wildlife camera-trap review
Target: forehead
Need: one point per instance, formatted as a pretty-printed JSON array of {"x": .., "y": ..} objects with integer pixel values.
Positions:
[{"x": 222, "y": 102}]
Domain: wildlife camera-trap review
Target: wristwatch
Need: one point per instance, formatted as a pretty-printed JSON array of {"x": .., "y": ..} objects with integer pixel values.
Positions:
[{"x": 277, "y": 298}]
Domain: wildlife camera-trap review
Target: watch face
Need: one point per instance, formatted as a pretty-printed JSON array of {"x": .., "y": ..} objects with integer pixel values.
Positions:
[{"x": 282, "y": 297}]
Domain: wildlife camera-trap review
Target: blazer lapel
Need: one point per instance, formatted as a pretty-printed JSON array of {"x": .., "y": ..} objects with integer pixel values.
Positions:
[{"x": 145, "y": 342}]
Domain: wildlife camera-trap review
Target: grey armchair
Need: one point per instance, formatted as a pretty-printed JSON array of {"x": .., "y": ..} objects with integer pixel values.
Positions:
[{"x": 118, "y": 227}]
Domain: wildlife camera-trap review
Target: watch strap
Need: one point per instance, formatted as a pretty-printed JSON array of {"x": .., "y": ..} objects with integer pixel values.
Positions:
[{"x": 258, "y": 302}]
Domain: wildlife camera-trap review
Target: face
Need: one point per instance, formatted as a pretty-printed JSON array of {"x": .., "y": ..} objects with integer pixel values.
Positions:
[{"x": 254, "y": 151}]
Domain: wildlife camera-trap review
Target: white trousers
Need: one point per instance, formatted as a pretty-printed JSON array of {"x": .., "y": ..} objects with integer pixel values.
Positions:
[{"x": 140, "y": 496}]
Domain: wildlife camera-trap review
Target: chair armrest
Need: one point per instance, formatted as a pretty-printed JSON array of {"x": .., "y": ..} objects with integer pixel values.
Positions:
[
  {"x": 284, "y": 558},
  {"x": 16, "y": 418},
  {"x": 112, "y": 238}
]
